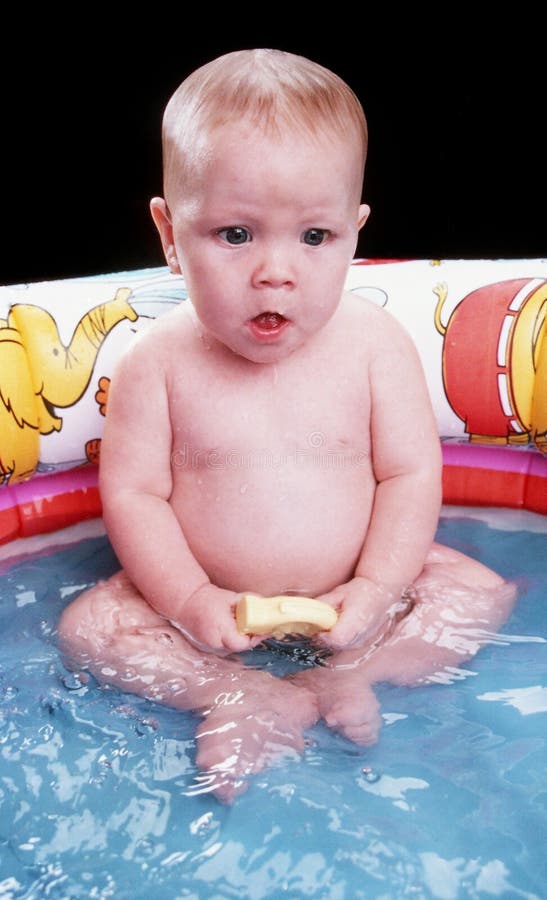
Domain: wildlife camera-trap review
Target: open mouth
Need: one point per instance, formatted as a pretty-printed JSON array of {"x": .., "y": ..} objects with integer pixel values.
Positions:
[
  {"x": 269, "y": 320},
  {"x": 268, "y": 325}
]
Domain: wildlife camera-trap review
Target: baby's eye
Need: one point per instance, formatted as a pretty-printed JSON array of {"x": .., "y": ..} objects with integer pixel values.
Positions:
[
  {"x": 235, "y": 235},
  {"x": 315, "y": 236}
]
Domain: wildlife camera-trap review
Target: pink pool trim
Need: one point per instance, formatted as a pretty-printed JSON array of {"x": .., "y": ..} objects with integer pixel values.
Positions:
[
  {"x": 499, "y": 459},
  {"x": 495, "y": 476},
  {"x": 47, "y": 486},
  {"x": 472, "y": 475},
  {"x": 49, "y": 502}
]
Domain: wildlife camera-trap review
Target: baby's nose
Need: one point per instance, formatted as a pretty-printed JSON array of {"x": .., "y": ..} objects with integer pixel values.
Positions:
[{"x": 274, "y": 268}]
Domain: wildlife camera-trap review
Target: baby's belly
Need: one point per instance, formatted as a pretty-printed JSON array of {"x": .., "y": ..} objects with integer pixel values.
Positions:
[{"x": 276, "y": 532}]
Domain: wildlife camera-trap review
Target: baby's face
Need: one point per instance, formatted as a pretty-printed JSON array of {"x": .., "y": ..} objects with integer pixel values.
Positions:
[{"x": 265, "y": 238}]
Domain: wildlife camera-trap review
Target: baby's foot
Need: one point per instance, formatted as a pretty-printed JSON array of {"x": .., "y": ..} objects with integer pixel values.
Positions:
[
  {"x": 346, "y": 702},
  {"x": 246, "y": 734}
]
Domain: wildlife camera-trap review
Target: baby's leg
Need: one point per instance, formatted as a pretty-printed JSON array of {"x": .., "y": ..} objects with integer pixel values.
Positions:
[
  {"x": 458, "y": 604},
  {"x": 344, "y": 692},
  {"x": 346, "y": 700},
  {"x": 250, "y": 716}
]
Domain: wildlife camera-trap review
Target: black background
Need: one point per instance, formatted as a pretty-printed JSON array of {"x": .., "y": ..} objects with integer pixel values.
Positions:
[{"x": 457, "y": 116}]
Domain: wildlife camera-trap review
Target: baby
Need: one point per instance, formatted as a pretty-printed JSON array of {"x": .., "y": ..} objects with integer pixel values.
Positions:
[{"x": 273, "y": 435}]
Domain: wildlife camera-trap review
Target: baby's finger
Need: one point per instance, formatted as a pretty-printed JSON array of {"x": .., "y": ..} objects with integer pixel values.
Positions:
[
  {"x": 234, "y": 641},
  {"x": 334, "y": 598},
  {"x": 349, "y": 631}
]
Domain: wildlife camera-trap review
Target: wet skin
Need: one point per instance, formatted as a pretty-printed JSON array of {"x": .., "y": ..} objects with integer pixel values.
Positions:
[{"x": 274, "y": 434}]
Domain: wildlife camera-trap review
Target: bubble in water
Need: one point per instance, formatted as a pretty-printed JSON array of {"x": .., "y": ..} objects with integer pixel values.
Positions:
[
  {"x": 73, "y": 681},
  {"x": 50, "y": 703},
  {"x": 9, "y": 692},
  {"x": 104, "y": 770},
  {"x": 202, "y": 825},
  {"x": 370, "y": 776},
  {"x": 46, "y": 627},
  {"x": 145, "y": 847},
  {"x": 146, "y": 726},
  {"x": 46, "y": 732},
  {"x": 25, "y": 852}
]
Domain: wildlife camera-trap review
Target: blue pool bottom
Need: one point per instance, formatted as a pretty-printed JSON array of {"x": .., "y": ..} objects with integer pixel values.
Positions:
[{"x": 100, "y": 796}]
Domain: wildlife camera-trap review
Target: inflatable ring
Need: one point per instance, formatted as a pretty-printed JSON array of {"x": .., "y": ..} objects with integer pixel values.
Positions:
[{"x": 480, "y": 327}]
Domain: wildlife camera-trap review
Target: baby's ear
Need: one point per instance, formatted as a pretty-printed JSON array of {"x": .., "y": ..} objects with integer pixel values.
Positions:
[
  {"x": 162, "y": 221},
  {"x": 364, "y": 212}
]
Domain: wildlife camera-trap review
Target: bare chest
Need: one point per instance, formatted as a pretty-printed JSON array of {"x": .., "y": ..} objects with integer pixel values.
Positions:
[
  {"x": 259, "y": 454},
  {"x": 268, "y": 420}
]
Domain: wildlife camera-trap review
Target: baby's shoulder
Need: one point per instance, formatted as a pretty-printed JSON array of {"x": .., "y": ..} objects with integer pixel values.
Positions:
[
  {"x": 159, "y": 340},
  {"x": 368, "y": 322}
]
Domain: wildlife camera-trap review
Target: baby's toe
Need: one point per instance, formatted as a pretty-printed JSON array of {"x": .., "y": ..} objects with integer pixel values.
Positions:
[{"x": 364, "y": 734}]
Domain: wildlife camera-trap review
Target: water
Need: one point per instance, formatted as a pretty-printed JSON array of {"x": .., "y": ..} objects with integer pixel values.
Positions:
[{"x": 100, "y": 796}]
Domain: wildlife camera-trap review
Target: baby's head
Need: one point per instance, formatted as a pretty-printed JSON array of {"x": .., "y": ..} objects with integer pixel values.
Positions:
[{"x": 273, "y": 91}]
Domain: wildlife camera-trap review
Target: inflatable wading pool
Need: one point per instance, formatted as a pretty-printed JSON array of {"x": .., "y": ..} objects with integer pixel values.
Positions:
[{"x": 480, "y": 327}]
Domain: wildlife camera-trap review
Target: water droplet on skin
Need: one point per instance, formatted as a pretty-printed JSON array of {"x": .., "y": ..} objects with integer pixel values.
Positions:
[
  {"x": 164, "y": 638},
  {"x": 243, "y": 488},
  {"x": 203, "y": 337}
]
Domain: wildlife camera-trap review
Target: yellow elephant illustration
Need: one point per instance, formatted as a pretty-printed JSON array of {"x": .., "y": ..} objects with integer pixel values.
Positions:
[{"x": 38, "y": 374}]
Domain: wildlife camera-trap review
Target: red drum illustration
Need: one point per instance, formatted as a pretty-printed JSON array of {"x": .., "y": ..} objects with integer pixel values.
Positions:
[{"x": 495, "y": 361}]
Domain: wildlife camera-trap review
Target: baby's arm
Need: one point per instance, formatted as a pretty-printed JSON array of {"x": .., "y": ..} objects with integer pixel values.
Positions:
[
  {"x": 136, "y": 484},
  {"x": 406, "y": 460}
]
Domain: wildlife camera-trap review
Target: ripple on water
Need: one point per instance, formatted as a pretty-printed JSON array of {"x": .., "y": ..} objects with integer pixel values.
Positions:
[{"x": 97, "y": 786}]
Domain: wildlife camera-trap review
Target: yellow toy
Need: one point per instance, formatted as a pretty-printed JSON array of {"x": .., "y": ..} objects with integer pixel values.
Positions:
[{"x": 283, "y": 615}]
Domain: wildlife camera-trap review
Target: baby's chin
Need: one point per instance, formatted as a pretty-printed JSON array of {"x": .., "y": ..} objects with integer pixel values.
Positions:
[{"x": 266, "y": 353}]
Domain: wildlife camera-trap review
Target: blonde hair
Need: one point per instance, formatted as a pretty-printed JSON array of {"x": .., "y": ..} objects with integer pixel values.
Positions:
[{"x": 272, "y": 90}]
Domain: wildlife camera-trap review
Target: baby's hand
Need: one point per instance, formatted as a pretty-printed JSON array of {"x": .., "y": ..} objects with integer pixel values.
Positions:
[
  {"x": 365, "y": 609},
  {"x": 207, "y": 620}
]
